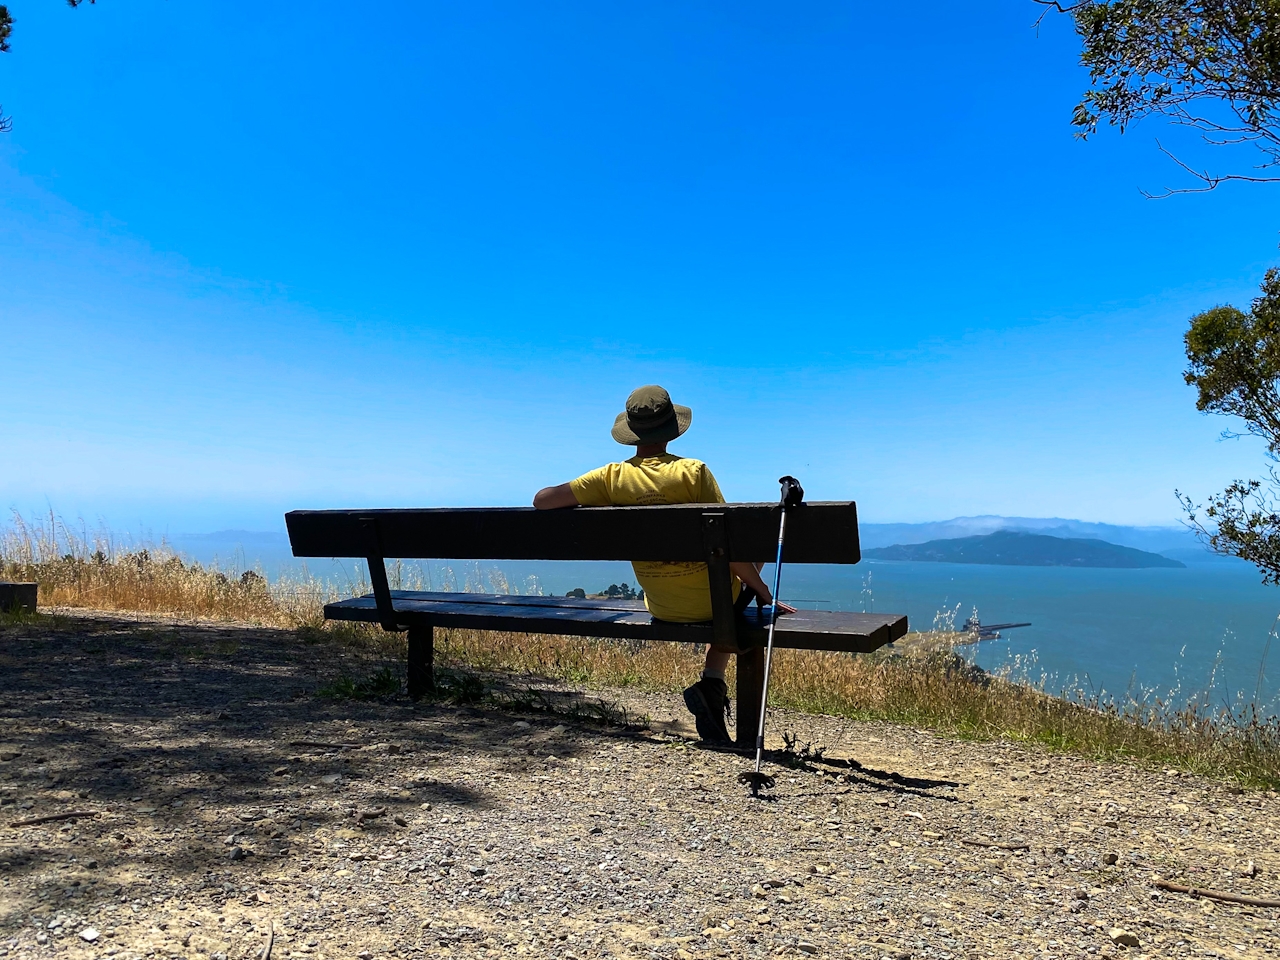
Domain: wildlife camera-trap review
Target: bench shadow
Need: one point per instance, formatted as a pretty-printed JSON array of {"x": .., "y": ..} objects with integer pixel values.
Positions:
[{"x": 204, "y": 732}]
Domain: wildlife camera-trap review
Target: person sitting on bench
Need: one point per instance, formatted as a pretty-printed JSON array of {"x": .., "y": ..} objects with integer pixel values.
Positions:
[{"x": 678, "y": 592}]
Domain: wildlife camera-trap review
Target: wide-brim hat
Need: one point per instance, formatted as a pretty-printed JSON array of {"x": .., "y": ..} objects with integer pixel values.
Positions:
[{"x": 651, "y": 417}]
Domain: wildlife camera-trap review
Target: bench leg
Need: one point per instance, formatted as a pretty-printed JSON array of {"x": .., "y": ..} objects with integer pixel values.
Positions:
[
  {"x": 422, "y": 656},
  {"x": 750, "y": 690}
]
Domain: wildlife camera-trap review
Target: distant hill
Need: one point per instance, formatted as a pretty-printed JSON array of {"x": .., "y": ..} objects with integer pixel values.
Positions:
[
  {"x": 1015, "y": 548},
  {"x": 1154, "y": 539}
]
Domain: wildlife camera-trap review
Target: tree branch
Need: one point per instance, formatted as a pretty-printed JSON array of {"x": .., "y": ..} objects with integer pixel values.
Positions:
[
  {"x": 1210, "y": 181},
  {"x": 1056, "y": 6}
]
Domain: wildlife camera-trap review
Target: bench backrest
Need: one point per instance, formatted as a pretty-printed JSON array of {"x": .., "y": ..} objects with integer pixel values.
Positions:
[
  {"x": 713, "y": 533},
  {"x": 816, "y": 533}
]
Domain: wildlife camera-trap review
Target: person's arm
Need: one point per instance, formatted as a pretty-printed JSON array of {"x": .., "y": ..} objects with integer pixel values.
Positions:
[
  {"x": 750, "y": 575},
  {"x": 555, "y": 498}
]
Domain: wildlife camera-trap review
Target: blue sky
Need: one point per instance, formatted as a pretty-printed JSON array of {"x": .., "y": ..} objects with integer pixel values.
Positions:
[{"x": 256, "y": 257}]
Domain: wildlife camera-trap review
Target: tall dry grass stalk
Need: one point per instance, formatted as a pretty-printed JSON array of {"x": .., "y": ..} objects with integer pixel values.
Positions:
[
  {"x": 923, "y": 682},
  {"x": 80, "y": 568}
]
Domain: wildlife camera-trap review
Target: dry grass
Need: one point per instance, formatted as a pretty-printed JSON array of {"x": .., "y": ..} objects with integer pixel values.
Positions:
[
  {"x": 923, "y": 683},
  {"x": 934, "y": 688},
  {"x": 82, "y": 569}
]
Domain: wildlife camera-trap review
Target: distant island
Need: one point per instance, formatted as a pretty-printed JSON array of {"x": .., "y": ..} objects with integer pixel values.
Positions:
[{"x": 1018, "y": 549}]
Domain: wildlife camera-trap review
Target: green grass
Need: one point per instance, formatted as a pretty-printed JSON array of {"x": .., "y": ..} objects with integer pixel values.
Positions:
[{"x": 383, "y": 682}]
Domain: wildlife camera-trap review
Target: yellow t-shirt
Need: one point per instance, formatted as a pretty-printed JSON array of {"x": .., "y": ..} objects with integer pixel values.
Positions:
[{"x": 672, "y": 591}]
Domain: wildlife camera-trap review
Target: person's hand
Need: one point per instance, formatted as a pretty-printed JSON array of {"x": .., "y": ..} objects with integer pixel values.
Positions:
[{"x": 782, "y": 607}]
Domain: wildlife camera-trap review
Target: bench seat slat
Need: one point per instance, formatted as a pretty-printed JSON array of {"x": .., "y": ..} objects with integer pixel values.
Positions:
[
  {"x": 516, "y": 600},
  {"x": 623, "y": 620}
]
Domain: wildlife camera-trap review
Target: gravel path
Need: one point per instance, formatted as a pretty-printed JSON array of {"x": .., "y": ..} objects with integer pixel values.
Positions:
[{"x": 232, "y": 808}]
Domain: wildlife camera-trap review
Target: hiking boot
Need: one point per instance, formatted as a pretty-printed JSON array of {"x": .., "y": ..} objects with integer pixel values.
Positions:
[{"x": 708, "y": 701}]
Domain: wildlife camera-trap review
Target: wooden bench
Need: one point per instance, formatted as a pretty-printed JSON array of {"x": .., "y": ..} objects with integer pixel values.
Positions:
[{"x": 716, "y": 534}]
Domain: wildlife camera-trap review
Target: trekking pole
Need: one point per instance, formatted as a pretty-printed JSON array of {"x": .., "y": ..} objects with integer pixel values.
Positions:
[{"x": 792, "y": 495}]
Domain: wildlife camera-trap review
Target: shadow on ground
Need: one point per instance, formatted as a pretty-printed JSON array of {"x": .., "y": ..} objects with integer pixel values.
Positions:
[{"x": 189, "y": 741}]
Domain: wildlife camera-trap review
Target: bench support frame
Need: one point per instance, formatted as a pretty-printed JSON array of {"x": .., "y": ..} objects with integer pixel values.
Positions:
[
  {"x": 421, "y": 681},
  {"x": 750, "y": 690},
  {"x": 724, "y": 631}
]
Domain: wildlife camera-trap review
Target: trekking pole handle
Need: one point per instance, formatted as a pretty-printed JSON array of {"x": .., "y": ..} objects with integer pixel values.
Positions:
[{"x": 792, "y": 492}]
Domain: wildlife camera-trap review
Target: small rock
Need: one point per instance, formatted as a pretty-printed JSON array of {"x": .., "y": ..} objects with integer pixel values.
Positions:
[
  {"x": 1123, "y": 938},
  {"x": 42, "y": 937},
  {"x": 757, "y": 891},
  {"x": 806, "y": 947},
  {"x": 521, "y": 725},
  {"x": 91, "y": 864},
  {"x": 331, "y": 778},
  {"x": 1110, "y": 859},
  {"x": 400, "y": 821},
  {"x": 89, "y": 934},
  {"x": 1250, "y": 869},
  {"x": 236, "y": 853},
  {"x": 559, "y": 728},
  {"x": 478, "y": 871},
  {"x": 594, "y": 830},
  {"x": 393, "y": 748}
]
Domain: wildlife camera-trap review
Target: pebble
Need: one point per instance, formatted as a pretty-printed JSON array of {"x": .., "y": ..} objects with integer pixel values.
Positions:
[
  {"x": 89, "y": 934},
  {"x": 1123, "y": 938}
]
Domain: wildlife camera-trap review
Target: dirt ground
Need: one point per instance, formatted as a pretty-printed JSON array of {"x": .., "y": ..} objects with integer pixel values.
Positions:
[{"x": 233, "y": 810}]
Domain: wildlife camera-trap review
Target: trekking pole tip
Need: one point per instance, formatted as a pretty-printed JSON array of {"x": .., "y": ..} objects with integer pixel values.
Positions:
[{"x": 756, "y": 781}]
